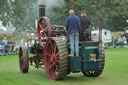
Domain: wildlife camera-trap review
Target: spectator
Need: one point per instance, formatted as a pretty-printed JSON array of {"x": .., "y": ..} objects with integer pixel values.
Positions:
[
  {"x": 114, "y": 42},
  {"x": 25, "y": 44},
  {"x": 119, "y": 42},
  {"x": 124, "y": 41},
  {"x": 1, "y": 49},
  {"x": 12, "y": 41},
  {"x": 29, "y": 45},
  {"x": 5, "y": 42},
  {"x": 12, "y": 45},
  {"x": 16, "y": 46},
  {"x": 22, "y": 42},
  {"x": 73, "y": 27},
  {"x": 33, "y": 41}
]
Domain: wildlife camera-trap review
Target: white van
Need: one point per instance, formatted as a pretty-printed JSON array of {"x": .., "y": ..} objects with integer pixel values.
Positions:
[{"x": 106, "y": 35}]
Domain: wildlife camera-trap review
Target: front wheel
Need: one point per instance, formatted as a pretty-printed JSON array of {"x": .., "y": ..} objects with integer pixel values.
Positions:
[{"x": 23, "y": 59}]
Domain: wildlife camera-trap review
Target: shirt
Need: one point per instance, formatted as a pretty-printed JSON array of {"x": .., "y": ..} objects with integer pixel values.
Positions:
[
  {"x": 5, "y": 42},
  {"x": 84, "y": 23},
  {"x": 72, "y": 24}
]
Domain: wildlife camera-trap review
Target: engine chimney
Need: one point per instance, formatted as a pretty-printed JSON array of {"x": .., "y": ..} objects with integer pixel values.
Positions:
[
  {"x": 41, "y": 6},
  {"x": 42, "y": 10}
]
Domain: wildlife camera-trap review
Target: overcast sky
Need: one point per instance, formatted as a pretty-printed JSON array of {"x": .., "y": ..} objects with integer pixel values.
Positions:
[{"x": 2, "y": 27}]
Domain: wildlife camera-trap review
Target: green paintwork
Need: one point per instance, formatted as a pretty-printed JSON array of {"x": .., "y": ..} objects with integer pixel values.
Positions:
[
  {"x": 83, "y": 63},
  {"x": 75, "y": 64}
]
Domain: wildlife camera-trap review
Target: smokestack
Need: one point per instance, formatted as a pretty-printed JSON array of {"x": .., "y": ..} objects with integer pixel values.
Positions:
[
  {"x": 41, "y": 6},
  {"x": 41, "y": 10}
]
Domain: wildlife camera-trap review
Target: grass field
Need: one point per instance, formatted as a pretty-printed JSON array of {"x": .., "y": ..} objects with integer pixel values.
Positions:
[{"x": 115, "y": 72}]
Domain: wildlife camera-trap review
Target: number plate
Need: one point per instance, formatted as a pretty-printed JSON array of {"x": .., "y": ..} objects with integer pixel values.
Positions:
[{"x": 92, "y": 57}]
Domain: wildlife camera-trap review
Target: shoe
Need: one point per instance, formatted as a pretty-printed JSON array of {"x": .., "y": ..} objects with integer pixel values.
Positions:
[{"x": 70, "y": 55}]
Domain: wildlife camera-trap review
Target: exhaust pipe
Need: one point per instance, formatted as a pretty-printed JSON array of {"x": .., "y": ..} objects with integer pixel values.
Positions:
[{"x": 41, "y": 6}]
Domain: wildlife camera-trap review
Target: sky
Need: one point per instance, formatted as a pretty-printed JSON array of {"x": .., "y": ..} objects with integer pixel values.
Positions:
[{"x": 2, "y": 27}]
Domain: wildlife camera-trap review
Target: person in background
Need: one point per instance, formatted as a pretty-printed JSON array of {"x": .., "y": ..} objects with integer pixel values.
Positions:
[
  {"x": 29, "y": 42},
  {"x": 5, "y": 42},
  {"x": 124, "y": 41},
  {"x": 12, "y": 43},
  {"x": 119, "y": 41},
  {"x": 85, "y": 33},
  {"x": 25, "y": 44},
  {"x": 17, "y": 46},
  {"x": 33, "y": 41},
  {"x": 114, "y": 42},
  {"x": 22, "y": 42},
  {"x": 1, "y": 49},
  {"x": 72, "y": 25}
]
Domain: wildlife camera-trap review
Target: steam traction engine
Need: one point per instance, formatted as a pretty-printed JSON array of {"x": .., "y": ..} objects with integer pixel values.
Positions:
[{"x": 51, "y": 51}]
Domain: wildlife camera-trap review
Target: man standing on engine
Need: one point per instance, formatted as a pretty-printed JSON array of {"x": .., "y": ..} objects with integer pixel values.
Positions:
[
  {"x": 85, "y": 33},
  {"x": 73, "y": 27}
]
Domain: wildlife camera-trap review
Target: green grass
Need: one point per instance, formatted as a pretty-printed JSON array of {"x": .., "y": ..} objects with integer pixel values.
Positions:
[{"x": 115, "y": 72}]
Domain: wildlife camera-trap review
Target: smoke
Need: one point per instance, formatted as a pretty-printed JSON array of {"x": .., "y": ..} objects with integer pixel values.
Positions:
[
  {"x": 42, "y": 2},
  {"x": 54, "y": 2},
  {"x": 51, "y": 3}
]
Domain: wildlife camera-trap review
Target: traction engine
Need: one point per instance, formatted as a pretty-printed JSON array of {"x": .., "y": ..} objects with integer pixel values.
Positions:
[{"x": 51, "y": 52}]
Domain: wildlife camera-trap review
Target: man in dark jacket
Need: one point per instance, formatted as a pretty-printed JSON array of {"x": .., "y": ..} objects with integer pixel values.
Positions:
[
  {"x": 84, "y": 25},
  {"x": 73, "y": 27}
]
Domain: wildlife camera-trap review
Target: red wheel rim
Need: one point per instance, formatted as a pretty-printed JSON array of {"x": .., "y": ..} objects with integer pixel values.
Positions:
[
  {"x": 21, "y": 59},
  {"x": 51, "y": 59},
  {"x": 43, "y": 27}
]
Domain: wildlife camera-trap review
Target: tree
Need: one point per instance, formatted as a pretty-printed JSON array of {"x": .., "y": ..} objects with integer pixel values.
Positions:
[
  {"x": 113, "y": 12},
  {"x": 21, "y": 13}
]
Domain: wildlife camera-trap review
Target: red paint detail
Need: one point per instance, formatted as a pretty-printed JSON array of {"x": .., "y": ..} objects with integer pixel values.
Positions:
[
  {"x": 51, "y": 59},
  {"x": 41, "y": 31}
]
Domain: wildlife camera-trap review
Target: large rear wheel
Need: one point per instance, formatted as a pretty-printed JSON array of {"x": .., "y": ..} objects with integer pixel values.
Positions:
[
  {"x": 23, "y": 59},
  {"x": 56, "y": 59}
]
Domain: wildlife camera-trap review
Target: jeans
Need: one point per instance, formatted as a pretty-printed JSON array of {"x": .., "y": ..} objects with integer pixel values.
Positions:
[{"x": 74, "y": 43}]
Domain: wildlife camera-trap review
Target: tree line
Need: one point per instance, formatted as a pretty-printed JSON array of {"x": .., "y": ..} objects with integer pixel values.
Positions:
[
  {"x": 113, "y": 12},
  {"x": 22, "y": 13}
]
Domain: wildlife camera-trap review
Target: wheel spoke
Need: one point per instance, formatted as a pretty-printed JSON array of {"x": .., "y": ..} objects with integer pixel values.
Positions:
[
  {"x": 43, "y": 23},
  {"x": 51, "y": 66},
  {"x": 40, "y": 26},
  {"x": 45, "y": 35},
  {"x": 51, "y": 45},
  {"x": 43, "y": 39},
  {"x": 58, "y": 61},
  {"x": 55, "y": 49},
  {"x": 49, "y": 54},
  {"x": 54, "y": 74},
  {"x": 57, "y": 54},
  {"x": 57, "y": 67}
]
